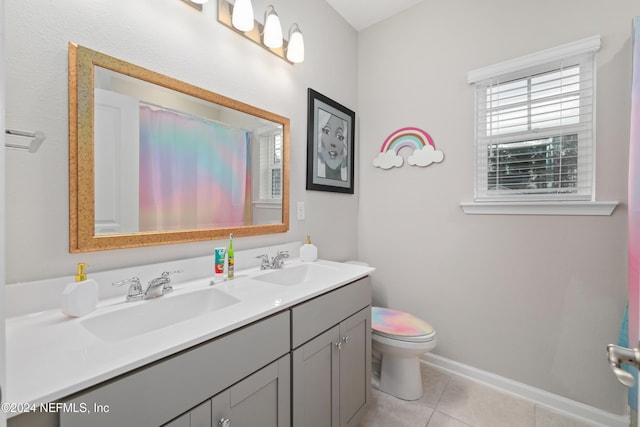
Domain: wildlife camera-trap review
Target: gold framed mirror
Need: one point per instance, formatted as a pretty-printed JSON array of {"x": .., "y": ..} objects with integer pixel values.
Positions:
[{"x": 154, "y": 160}]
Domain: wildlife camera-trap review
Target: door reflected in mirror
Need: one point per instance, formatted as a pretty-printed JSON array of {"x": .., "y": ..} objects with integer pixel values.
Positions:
[{"x": 154, "y": 160}]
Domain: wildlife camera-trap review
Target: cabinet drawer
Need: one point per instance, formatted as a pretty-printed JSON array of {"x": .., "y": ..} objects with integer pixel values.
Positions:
[
  {"x": 154, "y": 395},
  {"x": 311, "y": 318}
]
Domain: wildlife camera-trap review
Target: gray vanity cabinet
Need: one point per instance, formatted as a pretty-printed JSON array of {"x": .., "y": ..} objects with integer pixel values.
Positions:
[
  {"x": 156, "y": 394},
  {"x": 306, "y": 366},
  {"x": 331, "y": 362},
  {"x": 262, "y": 399}
]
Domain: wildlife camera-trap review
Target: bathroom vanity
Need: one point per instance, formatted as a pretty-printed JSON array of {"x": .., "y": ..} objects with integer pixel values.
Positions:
[
  {"x": 331, "y": 354},
  {"x": 291, "y": 348}
]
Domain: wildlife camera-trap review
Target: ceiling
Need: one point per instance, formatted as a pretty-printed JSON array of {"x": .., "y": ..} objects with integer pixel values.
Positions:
[{"x": 363, "y": 13}]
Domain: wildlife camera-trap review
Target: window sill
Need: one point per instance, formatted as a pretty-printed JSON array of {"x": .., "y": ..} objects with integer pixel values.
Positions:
[
  {"x": 268, "y": 204},
  {"x": 539, "y": 208}
]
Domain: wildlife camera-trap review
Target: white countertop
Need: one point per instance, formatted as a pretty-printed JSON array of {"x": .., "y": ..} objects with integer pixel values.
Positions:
[{"x": 51, "y": 356}]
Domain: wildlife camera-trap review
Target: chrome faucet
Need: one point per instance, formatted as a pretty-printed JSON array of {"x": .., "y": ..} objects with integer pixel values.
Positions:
[
  {"x": 135, "y": 288},
  {"x": 160, "y": 285},
  {"x": 275, "y": 263},
  {"x": 264, "y": 264},
  {"x": 278, "y": 260}
]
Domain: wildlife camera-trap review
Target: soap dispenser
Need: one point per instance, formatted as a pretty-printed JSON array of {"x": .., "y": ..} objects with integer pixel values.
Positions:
[
  {"x": 80, "y": 297},
  {"x": 308, "y": 251}
]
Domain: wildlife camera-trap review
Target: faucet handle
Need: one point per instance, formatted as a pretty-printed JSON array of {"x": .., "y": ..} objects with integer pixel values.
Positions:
[
  {"x": 265, "y": 261},
  {"x": 166, "y": 287},
  {"x": 168, "y": 273},
  {"x": 278, "y": 260},
  {"x": 135, "y": 288}
]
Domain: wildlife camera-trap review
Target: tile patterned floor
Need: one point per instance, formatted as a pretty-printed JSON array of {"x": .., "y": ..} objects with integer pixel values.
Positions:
[{"x": 453, "y": 401}]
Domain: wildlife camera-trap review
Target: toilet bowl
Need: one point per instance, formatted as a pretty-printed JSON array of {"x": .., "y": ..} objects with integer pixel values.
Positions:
[{"x": 399, "y": 339}]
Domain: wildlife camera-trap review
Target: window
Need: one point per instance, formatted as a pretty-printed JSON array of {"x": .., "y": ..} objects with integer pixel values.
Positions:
[
  {"x": 535, "y": 126},
  {"x": 271, "y": 165}
]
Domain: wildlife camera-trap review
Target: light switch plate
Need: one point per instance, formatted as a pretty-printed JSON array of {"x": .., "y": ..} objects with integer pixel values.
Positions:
[{"x": 300, "y": 210}]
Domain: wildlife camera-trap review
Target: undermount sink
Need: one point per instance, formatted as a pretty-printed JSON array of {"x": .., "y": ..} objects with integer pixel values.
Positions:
[
  {"x": 146, "y": 316},
  {"x": 296, "y": 275}
]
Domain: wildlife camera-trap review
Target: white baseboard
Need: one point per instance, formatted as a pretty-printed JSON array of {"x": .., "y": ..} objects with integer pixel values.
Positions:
[{"x": 574, "y": 409}]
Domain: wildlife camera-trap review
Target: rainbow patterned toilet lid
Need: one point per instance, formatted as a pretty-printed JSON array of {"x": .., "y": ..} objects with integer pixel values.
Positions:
[{"x": 386, "y": 321}]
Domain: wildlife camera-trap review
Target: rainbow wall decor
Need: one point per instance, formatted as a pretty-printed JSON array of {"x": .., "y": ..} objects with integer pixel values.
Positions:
[{"x": 424, "y": 149}]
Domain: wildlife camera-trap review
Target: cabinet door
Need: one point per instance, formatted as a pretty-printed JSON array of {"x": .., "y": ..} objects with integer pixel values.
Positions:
[
  {"x": 315, "y": 381},
  {"x": 355, "y": 367},
  {"x": 262, "y": 399},
  {"x": 183, "y": 420},
  {"x": 200, "y": 416}
]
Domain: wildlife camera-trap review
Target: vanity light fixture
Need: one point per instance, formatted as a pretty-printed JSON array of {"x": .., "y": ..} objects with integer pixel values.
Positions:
[
  {"x": 266, "y": 35},
  {"x": 272, "y": 35},
  {"x": 242, "y": 16},
  {"x": 196, "y": 4},
  {"x": 295, "y": 49}
]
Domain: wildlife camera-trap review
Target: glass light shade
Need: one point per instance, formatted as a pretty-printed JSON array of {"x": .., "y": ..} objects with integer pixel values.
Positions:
[
  {"x": 199, "y": 1},
  {"x": 295, "y": 49},
  {"x": 242, "y": 17},
  {"x": 272, "y": 36}
]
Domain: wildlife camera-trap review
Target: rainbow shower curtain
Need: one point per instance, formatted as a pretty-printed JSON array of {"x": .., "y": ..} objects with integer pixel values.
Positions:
[
  {"x": 634, "y": 207},
  {"x": 193, "y": 172}
]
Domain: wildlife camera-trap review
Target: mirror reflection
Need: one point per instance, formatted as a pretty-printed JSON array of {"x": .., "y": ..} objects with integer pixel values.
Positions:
[{"x": 171, "y": 162}]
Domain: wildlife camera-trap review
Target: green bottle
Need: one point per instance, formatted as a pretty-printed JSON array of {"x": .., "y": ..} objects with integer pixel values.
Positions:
[{"x": 230, "y": 260}]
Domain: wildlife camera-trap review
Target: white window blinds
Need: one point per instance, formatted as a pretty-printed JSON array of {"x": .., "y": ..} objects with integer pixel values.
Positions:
[
  {"x": 535, "y": 131},
  {"x": 271, "y": 165}
]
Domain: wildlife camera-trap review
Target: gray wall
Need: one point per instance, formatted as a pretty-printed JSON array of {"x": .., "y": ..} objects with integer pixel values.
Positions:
[
  {"x": 531, "y": 298},
  {"x": 172, "y": 38}
]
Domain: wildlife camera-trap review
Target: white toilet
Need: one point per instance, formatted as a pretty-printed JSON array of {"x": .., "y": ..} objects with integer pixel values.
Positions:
[{"x": 399, "y": 339}]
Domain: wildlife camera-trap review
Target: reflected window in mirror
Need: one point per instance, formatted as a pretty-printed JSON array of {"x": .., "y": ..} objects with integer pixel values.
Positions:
[{"x": 270, "y": 165}]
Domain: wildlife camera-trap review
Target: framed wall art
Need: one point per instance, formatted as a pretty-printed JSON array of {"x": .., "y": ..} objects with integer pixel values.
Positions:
[{"x": 330, "y": 145}]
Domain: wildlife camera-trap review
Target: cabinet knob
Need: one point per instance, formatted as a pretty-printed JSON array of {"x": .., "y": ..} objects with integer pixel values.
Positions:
[
  {"x": 345, "y": 339},
  {"x": 224, "y": 422},
  {"x": 339, "y": 345}
]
